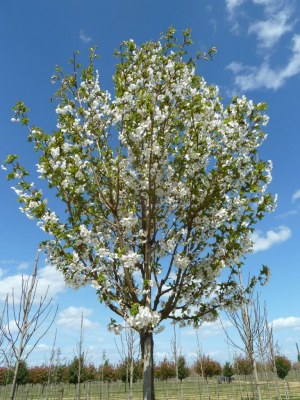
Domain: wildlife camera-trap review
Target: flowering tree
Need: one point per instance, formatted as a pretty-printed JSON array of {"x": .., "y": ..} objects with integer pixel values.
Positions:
[{"x": 161, "y": 184}]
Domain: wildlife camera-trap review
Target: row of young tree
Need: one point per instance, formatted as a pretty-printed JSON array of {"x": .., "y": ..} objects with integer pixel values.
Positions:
[
  {"x": 20, "y": 337},
  {"x": 164, "y": 370},
  {"x": 209, "y": 368},
  {"x": 17, "y": 344}
]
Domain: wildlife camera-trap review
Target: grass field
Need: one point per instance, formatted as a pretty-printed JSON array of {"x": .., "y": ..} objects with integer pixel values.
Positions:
[{"x": 193, "y": 388}]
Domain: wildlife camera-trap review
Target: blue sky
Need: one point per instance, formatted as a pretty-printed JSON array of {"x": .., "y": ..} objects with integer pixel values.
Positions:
[{"x": 258, "y": 44}]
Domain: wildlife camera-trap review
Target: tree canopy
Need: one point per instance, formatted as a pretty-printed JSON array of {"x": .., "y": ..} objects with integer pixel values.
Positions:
[{"x": 161, "y": 183}]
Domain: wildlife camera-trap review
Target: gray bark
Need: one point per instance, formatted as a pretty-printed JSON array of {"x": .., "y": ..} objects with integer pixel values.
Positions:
[{"x": 148, "y": 372}]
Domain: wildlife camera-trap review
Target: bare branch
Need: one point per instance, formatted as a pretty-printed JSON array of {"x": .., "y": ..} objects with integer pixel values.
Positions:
[{"x": 26, "y": 329}]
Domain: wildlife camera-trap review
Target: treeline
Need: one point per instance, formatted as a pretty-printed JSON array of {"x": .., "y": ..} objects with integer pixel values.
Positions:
[
  {"x": 164, "y": 370},
  {"x": 69, "y": 373}
]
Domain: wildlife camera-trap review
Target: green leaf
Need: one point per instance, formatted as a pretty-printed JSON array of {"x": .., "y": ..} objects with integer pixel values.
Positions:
[{"x": 11, "y": 158}]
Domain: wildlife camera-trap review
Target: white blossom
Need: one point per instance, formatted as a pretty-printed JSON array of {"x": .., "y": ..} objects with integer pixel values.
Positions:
[
  {"x": 144, "y": 319},
  {"x": 161, "y": 184}
]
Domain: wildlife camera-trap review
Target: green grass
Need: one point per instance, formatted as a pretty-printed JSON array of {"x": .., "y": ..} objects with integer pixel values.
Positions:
[{"x": 193, "y": 388}]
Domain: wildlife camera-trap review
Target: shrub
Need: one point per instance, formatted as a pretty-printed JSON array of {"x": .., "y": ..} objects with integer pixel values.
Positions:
[
  {"x": 107, "y": 372},
  {"x": 3, "y": 376},
  {"x": 73, "y": 371},
  {"x": 22, "y": 375},
  {"x": 38, "y": 374},
  {"x": 91, "y": 373},
  {"x": 183, "y": 370},
  {"x": 283, "y": 366},
  {"x": 61, "y": 373},
  {"x": 242, "y": 366},
  {"x": 207, "y": 367},
  {"x": 228, "y": 371},
  {"x": 124, "y": 371},
  {"x": 165, "y": 370}
]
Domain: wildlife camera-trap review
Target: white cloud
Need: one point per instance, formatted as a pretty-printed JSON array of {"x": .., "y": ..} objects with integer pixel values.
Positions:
[
  {"x": 41, "y": 347},
  {"x": 216, "y": 354},
  {"x": 272, "y": 5},
  {"x": 250, "y": 78},
  {"x": 48, "y": 279},
  {"x": 270, "y": 31},
  {"x": 52, "y": 278},
  {"x": 287, "y": 214},
  {"x": 22, "y": 266},
  {"x": 13, "y": 328},
  {"x": 214, "y": 24},
  {"x": 71, "y": 318},
  {"x": 276, "y": 23},
  {"x": 160, "y": 355},
  {"x": 84, "y": 37},
  {"x": 264, "y": 76},
  {"x": 208, "y": 329},
  {"x": 264, "y": 242},
  {"x": 263, "y": 2},
  {"x": 296, "y": 195},
  {"x": 277, "y": 20},
  {"x": 232, "y": 5},
  {"x": 215, "y": 328},
  {"x": 7, "y": 262},
  {"x": 287, "y": 322}
]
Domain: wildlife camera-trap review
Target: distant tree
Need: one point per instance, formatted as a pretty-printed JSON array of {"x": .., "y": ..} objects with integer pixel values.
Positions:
[
  {"x": 183, "y": 369},
  {"x": 207, "y": 367},
  {"x": 31, "y": 321},
  {"x": 122, "y": 369},
  {"x": 38, "y": 374},
  {"x": 4, "y": 372},
  {"x": 242, "y": 366},
  {"x": 251, "y": 323},
  {"x": 91, "y": 373},
  {"x": 128, "y": 347},
  {"x": 22, "y": 376},
  {"x": 3, "y": 344},
  {"x": 228, "y": 371},
  {"x": 107, "y": 372},
  {"x": 283, "y": 366},
  {"x": 175, "y": 349},
  {"x": 165, "y": 370},
  {"x": 80, "y": 360},
  {"x": 61, "y": 373},
  {"x": 52, "y": 361},
  {"x": 73, "y": 371},
  {"x": 296, "y": 366}
]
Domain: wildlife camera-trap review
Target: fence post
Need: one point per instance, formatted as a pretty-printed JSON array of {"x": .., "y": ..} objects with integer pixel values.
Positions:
[
  {"x": 61, "y": 390},
  {"x": 107, "y": 390},
  {"x": 88, "y": 390}
]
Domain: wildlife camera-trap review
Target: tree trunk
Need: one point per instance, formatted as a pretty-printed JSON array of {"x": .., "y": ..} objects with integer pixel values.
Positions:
[
  {"x": 148, "y": 370},
  {"x": 256, "y": 380},
  {"x": 131, "y": 379},
  {"x": 14, "y": 382}
]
